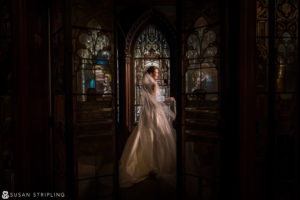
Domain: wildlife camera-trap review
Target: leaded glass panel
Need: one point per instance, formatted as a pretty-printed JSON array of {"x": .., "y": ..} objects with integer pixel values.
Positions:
[
  {"x": 151, "y": 49},
  {"x": 93, "y": 61},
  {"x": 286, "y": 73},
  {"x": 201, "y": 107},
  {"x": 201, "y": 57},
  {"x": 286, "y": 44},
  {"x": 93, "y": 103}
]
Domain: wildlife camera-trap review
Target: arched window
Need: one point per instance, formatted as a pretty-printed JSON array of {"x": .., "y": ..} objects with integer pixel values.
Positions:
[
  {"x": 151, "y": 49},
  {"x": 201, "y": 61},
  {"x": 94, "y": 57}
]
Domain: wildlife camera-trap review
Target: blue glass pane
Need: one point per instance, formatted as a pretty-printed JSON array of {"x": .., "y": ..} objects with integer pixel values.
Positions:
[
  {"x": 92, "y": 84},
  {"x": 100, "y": 62}
]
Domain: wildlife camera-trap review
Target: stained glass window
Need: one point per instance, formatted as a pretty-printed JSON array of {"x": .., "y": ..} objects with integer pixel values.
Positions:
[
  {"x": 201, "y": 51},
  {"x": 286, "y": 44},
  {"x": 286, "y": 65},
  {"x": 151, "y": 49},
  {"x": 93, "y": 106},
  {"x": 94, "y": 59},
  {"x": 277, "y": 43}
]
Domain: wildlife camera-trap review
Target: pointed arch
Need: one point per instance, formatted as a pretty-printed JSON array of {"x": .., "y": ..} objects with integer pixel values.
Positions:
[{"x": 150, "y": 17}]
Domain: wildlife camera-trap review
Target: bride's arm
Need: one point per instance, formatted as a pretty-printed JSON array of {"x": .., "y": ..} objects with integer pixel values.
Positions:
[{"x": 169, "y": 100}]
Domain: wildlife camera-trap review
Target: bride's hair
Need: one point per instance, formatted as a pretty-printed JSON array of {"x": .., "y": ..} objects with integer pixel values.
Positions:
[{"x": 151, "y": 69}]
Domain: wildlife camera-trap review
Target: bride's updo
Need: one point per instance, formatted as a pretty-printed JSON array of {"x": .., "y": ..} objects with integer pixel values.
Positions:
[
  {"x": 148, "y": 81},
  {"x": 151, "y": 69}
]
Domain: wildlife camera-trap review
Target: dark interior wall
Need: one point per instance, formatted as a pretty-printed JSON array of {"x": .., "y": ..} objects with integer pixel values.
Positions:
[
  {"x": 6, "y": 140},
  {"x": 246, "y": 91},
  {"x": 229, "y": 100},
  {"x": 31, "y": 136}
]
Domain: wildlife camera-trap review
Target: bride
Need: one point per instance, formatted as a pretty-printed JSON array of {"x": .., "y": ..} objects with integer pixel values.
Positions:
[{"x": 151, "y": 147}]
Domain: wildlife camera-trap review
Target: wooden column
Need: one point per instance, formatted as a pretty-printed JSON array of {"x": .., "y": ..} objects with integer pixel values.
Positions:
[
  {"x": 20, "y": 96},
  {"x": 129, "y": 90},
  {"x": 247, "y": 149}
]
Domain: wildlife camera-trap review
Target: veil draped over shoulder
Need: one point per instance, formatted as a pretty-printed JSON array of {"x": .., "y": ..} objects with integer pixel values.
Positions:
[{"x": 151, "y": 147}]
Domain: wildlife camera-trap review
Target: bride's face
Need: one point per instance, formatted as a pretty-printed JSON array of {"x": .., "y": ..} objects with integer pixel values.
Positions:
[{"x": 155, "y": 74}]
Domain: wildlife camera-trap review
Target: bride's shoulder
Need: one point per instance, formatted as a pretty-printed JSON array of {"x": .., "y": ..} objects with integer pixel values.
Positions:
[{"x": 156, "y": 86}]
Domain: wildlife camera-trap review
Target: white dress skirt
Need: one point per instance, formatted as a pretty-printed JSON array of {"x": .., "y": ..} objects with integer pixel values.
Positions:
[{"x": 151, "y": 147}]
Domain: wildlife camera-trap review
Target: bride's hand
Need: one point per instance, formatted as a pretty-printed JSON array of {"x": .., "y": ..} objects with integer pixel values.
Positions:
[{"x": 169, "y": 100}]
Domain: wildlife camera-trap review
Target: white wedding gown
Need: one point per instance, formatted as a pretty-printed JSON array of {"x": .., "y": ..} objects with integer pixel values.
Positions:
[{"x": 151, "y": 147}]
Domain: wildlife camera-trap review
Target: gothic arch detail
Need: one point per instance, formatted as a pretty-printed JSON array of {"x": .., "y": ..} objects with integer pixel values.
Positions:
[{"x": 153, "y": 20}]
